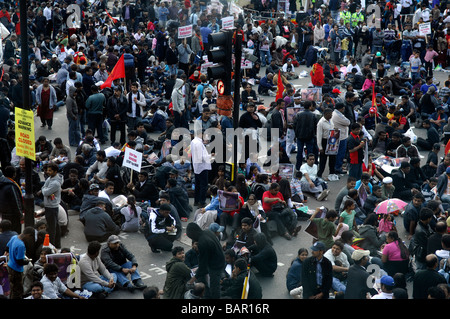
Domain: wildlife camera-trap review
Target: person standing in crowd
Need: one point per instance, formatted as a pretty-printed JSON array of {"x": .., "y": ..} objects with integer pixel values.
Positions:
[
  {"x": 17, "y": 260},
  {"x": 46, "y": 100},
  {"x": 51, "y": 191},
  {"x": 201, "y": 162},
  {"x": 211, "y": 259}
]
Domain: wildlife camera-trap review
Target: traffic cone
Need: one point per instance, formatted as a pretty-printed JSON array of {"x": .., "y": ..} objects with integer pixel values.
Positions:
[{"x": 46, "y": 240}]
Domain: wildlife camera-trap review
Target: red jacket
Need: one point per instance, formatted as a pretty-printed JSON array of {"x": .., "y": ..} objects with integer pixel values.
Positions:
[{"x": 317, "y": 76}]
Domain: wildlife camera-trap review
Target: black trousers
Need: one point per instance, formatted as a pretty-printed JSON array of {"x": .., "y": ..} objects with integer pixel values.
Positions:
[
  {"x": 118, "y": 125},
  {"x": 323, "y": 160}
]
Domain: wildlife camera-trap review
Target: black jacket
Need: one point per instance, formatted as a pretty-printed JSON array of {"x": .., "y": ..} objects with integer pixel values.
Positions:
[
  {"x": 233, "y": 286},
  {"x": 305, "y": 124},
  {"x": 357, "y": 283},
  {"x": 117, "y": 106},
  {"x": 310, "y": 287},
  {"x": 210, "y": 250}
]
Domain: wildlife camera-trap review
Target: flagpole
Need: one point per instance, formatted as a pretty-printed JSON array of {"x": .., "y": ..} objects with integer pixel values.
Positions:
[{"x": 245, "y": 287}]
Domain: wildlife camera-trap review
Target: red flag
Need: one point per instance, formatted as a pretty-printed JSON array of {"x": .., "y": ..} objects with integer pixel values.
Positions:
[
  {"x": 280, "y": 87},
  {"x": 447, "y": 148},
  {"x": 117, "y": 73},
  {"x": 113, "y": 19}
]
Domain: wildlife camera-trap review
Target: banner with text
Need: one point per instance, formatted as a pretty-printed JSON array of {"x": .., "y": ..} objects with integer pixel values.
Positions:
[
  {"x": 24, "y": 126},
  {"x": 132, "y": 159},
  {"x": 185, "y": 32}
]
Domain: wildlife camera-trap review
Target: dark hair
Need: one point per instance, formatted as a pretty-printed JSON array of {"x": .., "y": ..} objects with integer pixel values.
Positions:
[
  {"x": 371, "y": 219},
  {"x": 348, "y": 203},
  {"x": 49, "y": 268},
  {"x": 176, "y": 250},
  {"x": 404, "y": 252},
  {"x": 425, "y": 213},
  {"x": 247, "y": 220},
  {"x": 285, "y": 188},
  {"x": 94, "y": 247},
  {"x": 150, "y": 292}
]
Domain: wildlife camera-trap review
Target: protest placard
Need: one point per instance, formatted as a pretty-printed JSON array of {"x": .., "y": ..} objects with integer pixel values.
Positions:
[
  {"x": 228, "y": 22},
  {"x": 185, "y": 32},
  {"x": 132, "y": 159},
  {"x": 425, "y": 28}
]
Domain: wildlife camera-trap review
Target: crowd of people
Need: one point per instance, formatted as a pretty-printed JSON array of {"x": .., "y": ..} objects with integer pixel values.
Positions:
[{"x": 375, "y": 80}]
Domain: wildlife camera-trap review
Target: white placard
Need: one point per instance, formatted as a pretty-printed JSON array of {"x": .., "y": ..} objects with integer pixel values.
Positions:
[
  {"x": 185, "y": 32},
  {"x": 425, "y": 28},
  {"x": 132, "y": 159},
  {"x": 228, "y": 22}
]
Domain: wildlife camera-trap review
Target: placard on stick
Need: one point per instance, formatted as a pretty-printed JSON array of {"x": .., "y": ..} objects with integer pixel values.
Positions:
[{"x": 132, "y": 159}]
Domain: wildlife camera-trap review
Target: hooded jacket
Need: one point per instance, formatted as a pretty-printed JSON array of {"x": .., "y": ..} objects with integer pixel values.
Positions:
[
  {"x": 98, "y": 223},
  {"x": 12, "y": 204},
  {"x": 177, "y": 97},
  {"x": 71, "y": 104},
  {"x": 178, "y": 274},
  {"x": 372, "y": 241},
  {"x": 211, "y": 254}
]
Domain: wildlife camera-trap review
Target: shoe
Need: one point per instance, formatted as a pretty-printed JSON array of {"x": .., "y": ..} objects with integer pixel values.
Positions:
[
  {"x": 129, "y": 287},
  {"x": 139, "y": 284},
  {"x": 184, "y": 219},
  {"x": 287, "y": 236},
  {"x": 49, "y": 127},
  {"x": 296, "y": 230},
  {"x": 323, "y": 195},
  {"x": 155, "y": 250},
  {"x": 43, "y": 125}
]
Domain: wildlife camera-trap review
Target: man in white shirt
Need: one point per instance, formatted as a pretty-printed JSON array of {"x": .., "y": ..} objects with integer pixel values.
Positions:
[
  {"x": 310, "y": 182},
  {"x": 201, "y": 161},
  {"x": 387, "y": 285},
  {"x": 289, "y": 70},
  {"x": 101, "y": 75},
  {"x": 99, "y": 167},
  {"x": 323, "y": 131},
  {"x": 341, "y": 123},
  {"x": 340, "y": 263},
  {"x": 136, "y": 103}
]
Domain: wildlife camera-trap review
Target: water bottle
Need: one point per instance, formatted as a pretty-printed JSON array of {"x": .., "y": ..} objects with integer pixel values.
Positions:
[{"x": 149, "y": 203}]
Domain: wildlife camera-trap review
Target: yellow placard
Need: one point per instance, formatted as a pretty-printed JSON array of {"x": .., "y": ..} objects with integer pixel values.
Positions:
[{"x": 24, "y": 125}]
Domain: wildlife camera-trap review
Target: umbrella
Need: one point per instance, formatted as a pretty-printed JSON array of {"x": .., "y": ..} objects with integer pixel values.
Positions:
[{"x": 390, "y": 206}]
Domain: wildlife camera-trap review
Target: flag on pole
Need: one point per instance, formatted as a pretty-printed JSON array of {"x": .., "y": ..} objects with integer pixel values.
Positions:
[
  {"x": 117, "y": 72},
  {"x": 280, "y": 87}
]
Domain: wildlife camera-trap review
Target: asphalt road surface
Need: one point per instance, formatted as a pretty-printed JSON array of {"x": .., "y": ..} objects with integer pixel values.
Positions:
[{"x": 152, "y": 266}]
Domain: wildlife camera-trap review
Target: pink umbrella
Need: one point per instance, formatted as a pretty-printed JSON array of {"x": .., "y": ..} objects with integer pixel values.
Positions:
[{"x": 390, "y": 206}]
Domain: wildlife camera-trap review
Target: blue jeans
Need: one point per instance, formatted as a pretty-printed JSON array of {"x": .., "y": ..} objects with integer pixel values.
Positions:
[
  {"x": 122, "y": 279},
  {"x": 300, "y": 145},
  {"x": 263, "y": 56},
  {"x": 96, "y": 287},
  {"x": 173, "y": 69},
  {"x": 74, "y": 131},
  {"x": 341, "y": 155}
]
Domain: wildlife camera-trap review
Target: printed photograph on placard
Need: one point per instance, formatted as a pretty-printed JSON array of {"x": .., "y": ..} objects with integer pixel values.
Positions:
[
  {"x": 333, "y": 142},
  {"x": 312, "y": 94}
]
